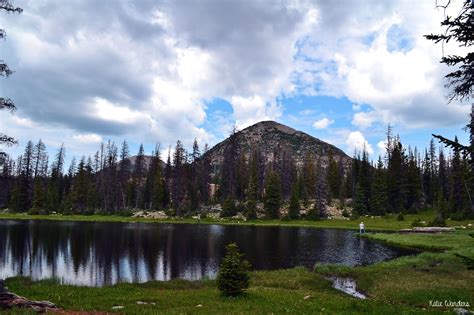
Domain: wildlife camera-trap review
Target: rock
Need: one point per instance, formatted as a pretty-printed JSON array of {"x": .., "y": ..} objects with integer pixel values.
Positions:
[
  {"x": 306, "y": 297},
  {"x": 118, "y": 307},
  {"x": 141, "y": 303},
  {"x": 428, "y": 229},
  {"x": 461, "y": 311},
  {"x": 150, "y": 214},
  {"x": 9, "y": 300},
  {"x": 199, "y": 305}
]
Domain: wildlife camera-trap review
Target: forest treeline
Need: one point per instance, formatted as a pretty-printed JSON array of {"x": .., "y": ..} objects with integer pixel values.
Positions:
[{"x": 404, "y": 180}]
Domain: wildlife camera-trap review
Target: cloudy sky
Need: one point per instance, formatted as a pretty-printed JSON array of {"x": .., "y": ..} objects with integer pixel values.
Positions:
[{"x": 158, "y": 71}]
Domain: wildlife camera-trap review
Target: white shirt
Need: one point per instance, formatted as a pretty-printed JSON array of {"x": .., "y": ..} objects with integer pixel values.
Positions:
[{"x": 361, "y": 226}]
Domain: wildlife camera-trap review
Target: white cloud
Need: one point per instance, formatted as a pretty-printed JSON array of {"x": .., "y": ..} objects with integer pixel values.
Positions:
[
  {"x": 88, "y": 138},
  {"x": 382, "y": 146},
  {"x": 365, "y": 119},
  {"x": 356, "y": 142},
  {"x": 397, "y": 74},
  {"x": 323, "y": 123},
  {"x": 249, "y": 110}
]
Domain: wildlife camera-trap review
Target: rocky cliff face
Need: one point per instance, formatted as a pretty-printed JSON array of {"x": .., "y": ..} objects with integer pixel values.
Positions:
[{"x": 273, "y": 139}]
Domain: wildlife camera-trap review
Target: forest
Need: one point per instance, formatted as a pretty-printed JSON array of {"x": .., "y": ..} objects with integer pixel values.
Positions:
[{"x": 404, "y": 180}]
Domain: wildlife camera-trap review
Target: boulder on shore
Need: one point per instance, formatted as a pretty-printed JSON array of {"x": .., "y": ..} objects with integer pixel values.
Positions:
[{"x": 9, "y": 300}]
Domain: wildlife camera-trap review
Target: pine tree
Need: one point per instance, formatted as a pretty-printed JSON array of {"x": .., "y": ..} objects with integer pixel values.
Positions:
[
  {"x": 138, "y": 176},
  {"x": 272, "y": 196},
  {"x": 413, "y": 184},
  {"x": 294, "y": 208},
  {"x": 228, "y": 208},
  {"x": 309, "y": 178},
  {"x": 334, "y": 178},
  {"x": 252, "y": 190},
  {"x": 6, "y": 103},
  {"x": 359, "y": 205},
  {"x": 233, "y": 277},
  {"x": 456, "y": 199},
  {"x": 379, "y": 200},
  {"x": 39, "y": 198}
]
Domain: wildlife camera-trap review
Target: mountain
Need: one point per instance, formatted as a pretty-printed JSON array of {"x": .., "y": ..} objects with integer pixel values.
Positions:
[{"x": 272, "y": 139}]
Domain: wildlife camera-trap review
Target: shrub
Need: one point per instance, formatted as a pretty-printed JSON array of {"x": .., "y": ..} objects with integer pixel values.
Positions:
[
  {"x": 251, "y": 210},
  {"x": 417, "y": 223},
  {"x": 438, "y": 221},
  {"x": 355, "y": 215},
  {"x": 233, "y": 277},
  {"x": 400, "y": 217},
  {"x": 345, "y": 213},
  {"x": 228, "y": 208}
]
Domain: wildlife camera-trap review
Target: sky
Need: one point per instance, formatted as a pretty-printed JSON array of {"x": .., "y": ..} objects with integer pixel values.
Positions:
[{"x": 157, "y": 71}]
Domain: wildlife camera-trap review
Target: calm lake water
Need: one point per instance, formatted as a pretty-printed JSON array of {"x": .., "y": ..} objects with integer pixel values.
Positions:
[{"x": 95, "y": 254}]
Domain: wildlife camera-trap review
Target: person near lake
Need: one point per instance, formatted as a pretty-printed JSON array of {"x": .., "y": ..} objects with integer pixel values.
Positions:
[{"x": 362, "y": 227}]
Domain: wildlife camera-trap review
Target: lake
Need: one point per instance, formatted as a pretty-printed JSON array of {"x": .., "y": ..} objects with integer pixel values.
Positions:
[{"x": 103, "y": 253}]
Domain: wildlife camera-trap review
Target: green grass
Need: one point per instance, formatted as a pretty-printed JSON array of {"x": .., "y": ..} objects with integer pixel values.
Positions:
[
  {"x": 277, "y": 292},
  {"x": 371, "y": 223}
]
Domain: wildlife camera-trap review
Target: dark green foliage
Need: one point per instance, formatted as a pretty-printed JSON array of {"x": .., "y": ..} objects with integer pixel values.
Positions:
[
  {"x": 334, "y": 178},
  {"x": 272, "y": 196},
  {"x": 314, "y": 213},
  {"x": 459, "y": 29},
  {"x": 294, "y": 208},
  {"x": 233, "y": 277},
  {"x": 469, "y": 262},
  {"x": 228, "y": 208},
  {"x": 252, "y": 190},
  {"x": 359, "y": 204},
  {"x": 379, "y": 199},
  {"x": 6, "y": 103},
  {"x": 438, "y": 221},
  {"x": 400, "y": 217}
]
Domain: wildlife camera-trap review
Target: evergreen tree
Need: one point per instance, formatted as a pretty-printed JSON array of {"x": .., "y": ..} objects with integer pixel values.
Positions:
[
  {"x": 272, "y": 196},
  {"x": 6, "y": 103},
  {"x": 334, "y": 178},
  {"x": 138, "y": 176},
  {"x": 294, "y": 208},
  {"x": 309, "y": 178},
  {"x": 233, "y": 277},
  {"x": 456, "y": 200},
  {"x": 228, "y": 208},
  {"x": 252, "y": 190},
  {"x": 379, "y": 200},
  {"x": 359, "y": 204},
  {"x": 413, "y": 184},
  {"x": 55, "y": 184}
]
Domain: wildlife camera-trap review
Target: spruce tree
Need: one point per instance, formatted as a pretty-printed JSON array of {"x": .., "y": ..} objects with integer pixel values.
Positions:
[
  {"x": 272, "y": 196},
  {"x": 379, "y": 200},
  {"x": 233, "y": 277},
  {"x": 252, "y": 190},
  {"x": 294, "y": 208}
]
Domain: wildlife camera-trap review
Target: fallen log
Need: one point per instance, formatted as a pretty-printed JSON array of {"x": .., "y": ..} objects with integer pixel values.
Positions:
[{"x": 10, "y": 300}]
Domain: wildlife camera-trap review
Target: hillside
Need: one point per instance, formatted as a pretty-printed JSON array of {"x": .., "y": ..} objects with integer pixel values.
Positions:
[{"x": 272, "y": 139}]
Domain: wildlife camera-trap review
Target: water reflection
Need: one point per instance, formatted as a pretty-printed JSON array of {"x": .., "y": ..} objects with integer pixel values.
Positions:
[{"x": 98, "y": 253}]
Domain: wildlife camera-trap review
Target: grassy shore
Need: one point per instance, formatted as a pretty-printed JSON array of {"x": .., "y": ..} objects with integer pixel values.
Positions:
[
  {"x": 371, "y": 223},
  {"x": 405, "y": 285}
]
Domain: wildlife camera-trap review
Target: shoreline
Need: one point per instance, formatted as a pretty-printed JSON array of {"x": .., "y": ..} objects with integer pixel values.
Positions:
[{"x": 373, "y": 224}]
